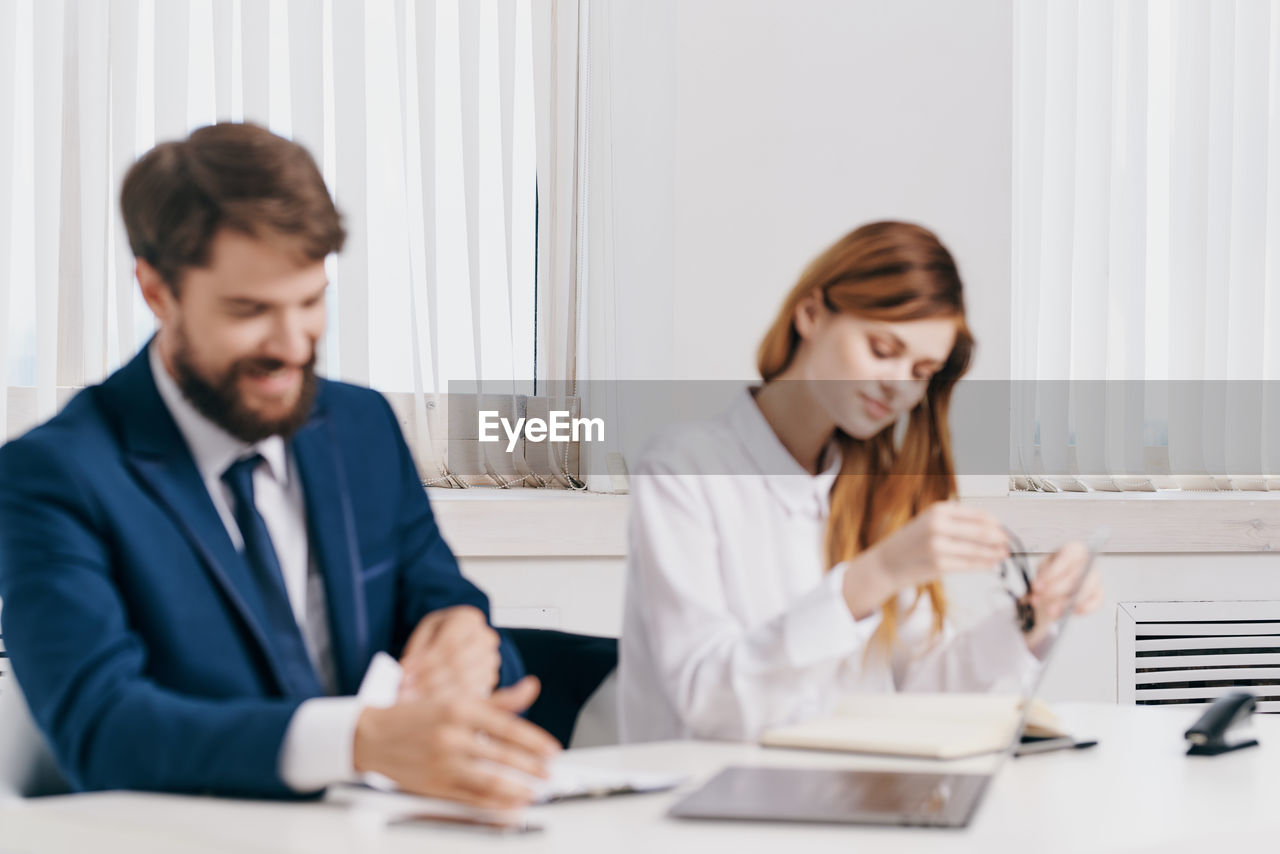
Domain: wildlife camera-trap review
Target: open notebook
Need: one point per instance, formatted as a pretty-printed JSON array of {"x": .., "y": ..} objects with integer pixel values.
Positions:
[{"x": 930, "y": 726}]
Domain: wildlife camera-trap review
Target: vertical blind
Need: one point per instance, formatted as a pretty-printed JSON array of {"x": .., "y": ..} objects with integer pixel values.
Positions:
[
  {"x": 451, "y": 132},
  {"x": 1146, "y": 245}
]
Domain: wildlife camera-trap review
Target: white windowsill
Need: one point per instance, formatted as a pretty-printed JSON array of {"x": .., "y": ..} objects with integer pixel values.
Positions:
[
  {"x": 531, "y": 522},
  {"x": 1144, "y": 522},
  {"x": 488, "y": 523}
]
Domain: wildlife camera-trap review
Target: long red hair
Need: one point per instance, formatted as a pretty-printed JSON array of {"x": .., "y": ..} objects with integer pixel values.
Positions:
[{"x": 891, "y": 271}]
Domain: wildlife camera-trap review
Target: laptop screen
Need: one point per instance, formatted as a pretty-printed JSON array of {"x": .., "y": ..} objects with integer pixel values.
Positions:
[{"x": 1095, "y": 544}]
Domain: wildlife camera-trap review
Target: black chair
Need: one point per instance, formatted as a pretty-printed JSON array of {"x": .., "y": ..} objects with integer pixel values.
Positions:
[{"x": 571, "y": 668}]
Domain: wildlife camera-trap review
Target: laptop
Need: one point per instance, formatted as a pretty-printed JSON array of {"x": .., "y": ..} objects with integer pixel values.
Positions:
[{"x": 841, "y": 796}]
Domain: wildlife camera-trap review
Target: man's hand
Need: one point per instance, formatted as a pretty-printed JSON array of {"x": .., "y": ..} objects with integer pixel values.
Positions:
[
  {"x": 452, "y": 651},
  {"x": 459, "y": 747}
]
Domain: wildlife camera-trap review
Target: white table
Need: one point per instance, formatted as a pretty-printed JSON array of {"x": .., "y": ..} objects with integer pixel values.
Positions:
[{"x": 1135, "y": 792}]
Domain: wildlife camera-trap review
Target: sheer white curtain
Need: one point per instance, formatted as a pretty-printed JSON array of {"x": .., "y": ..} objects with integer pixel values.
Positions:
[
  {"x": 452, "y": 176},
  {"x": 573, "y": 79},
  {"x": 1146, "y": 244}
]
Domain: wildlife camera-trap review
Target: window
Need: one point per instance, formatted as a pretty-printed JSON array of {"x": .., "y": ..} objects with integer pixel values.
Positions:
[
  {"x": 439, "y": 279},
  {"x": 1146, "y": 246}
]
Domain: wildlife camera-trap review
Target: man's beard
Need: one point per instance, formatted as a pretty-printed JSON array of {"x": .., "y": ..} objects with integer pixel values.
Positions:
[{"x": 220, "y": 402}]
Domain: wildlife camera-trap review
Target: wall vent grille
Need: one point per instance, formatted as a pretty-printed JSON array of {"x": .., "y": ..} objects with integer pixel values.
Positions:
[{"x": 1191, "y": 653}]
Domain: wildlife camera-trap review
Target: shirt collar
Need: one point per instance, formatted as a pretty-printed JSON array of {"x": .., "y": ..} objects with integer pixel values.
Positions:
[
  {"x": 213, "y": 448},
  {"x": 797, "y": 490}
]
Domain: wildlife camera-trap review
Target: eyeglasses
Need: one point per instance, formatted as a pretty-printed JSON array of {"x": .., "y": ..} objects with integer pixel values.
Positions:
[{"x": 1015, "y": 576}]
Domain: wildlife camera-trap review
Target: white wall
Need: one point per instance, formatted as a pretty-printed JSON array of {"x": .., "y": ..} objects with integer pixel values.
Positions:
[
  {"x": 585, "y": 594},
  {"x": 573, "y": 594},
  {"x": 749, "y": 134}
]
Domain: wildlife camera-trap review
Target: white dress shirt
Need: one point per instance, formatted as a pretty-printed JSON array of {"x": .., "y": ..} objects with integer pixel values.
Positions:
[
  {"x": 318, "y": 743},
  {"x": 733, "y": 622}
]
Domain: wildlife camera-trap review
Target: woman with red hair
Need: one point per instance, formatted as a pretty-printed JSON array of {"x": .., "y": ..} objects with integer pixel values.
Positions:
[{"x": 793, "y": 549}]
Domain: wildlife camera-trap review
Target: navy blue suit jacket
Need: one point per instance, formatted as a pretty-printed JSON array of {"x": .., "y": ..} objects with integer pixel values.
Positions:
[{"x": 131, "y": 621}]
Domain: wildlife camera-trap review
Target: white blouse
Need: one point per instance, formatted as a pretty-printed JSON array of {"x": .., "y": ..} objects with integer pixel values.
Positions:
[{"x": 733, "y": 623}]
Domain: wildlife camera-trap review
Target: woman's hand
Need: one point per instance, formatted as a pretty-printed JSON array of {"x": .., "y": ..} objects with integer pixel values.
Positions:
[
  {"x": 947, "y": 537},
  {"x": 1053, "y": 585}
]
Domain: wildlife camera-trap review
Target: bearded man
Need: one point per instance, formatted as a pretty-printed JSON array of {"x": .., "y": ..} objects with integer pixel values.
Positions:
[{"x": 200, "y": 557}]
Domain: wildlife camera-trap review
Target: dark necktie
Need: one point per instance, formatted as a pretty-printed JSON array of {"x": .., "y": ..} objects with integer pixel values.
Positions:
[{"x": 281, "y": 626}]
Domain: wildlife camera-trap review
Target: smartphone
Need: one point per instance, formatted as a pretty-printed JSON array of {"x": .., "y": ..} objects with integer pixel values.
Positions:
[{"x": 497, "y": 824}]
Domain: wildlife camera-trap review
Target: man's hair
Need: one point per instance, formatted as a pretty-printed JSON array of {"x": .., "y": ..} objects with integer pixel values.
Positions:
[{"x": 237, "y": 176}]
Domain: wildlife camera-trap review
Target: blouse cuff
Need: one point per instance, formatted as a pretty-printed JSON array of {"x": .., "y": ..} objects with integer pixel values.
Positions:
[{"x": 819, "y": 626}]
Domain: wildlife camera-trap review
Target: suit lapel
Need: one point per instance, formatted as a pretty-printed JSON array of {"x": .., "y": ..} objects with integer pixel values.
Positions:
[
  {"x": 331, "y": 528},
  {"x": 159, "y": 456}
]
